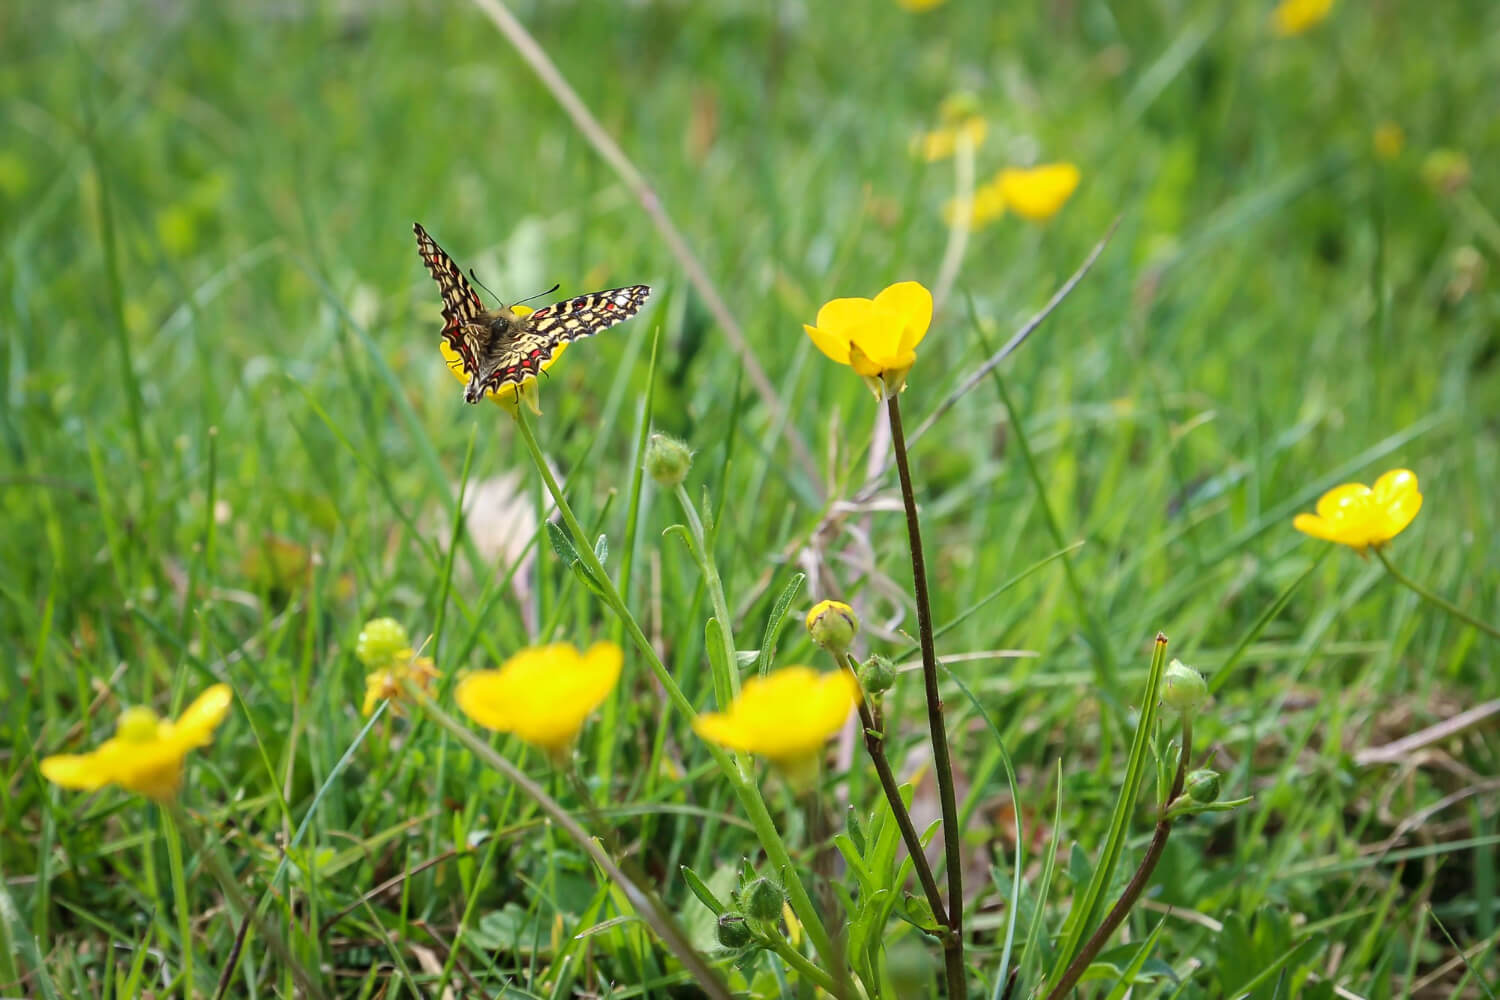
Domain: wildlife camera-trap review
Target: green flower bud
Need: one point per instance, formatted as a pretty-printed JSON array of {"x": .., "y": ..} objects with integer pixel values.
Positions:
[
  {"x": 733, "y": 931},
  {"x": 1202, "y": 785},
  {"x": 1183, "y": 688},
  {"x": 381, "y": 641},
  {"x": 833, "y": 625},
  {"x": 668, "y": 459},
  {"x": 877, "y": 675},
  {"x": 763, "y": 899}
]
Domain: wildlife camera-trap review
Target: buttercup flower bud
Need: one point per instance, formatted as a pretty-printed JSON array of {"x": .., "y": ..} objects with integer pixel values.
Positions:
[
  {"x": 732, "y": 931},
  {"x": 833, "y": 626},
  {"x": 380, "y": 640},
  {"x": 877, "y": 675},
  {"x": 1202, "y": 785},
  {"x": 668, "y": 459},
  {"x": 763, "y": 899},
  {"x": 1183, "y": 688}
]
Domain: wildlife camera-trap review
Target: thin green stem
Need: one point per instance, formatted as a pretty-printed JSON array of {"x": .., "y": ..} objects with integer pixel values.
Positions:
[
  {"x": 724, "y": 687},
  {"x": 1138, "y": 881},
  {"x": 875, "y": 747},
  {"x": 651, "y": 908},
  {"x": 791, "y": 956},
  {"x": 180, "y": 902},
  {"x": 953, "y": 944},
  {"x": 745, "y": 789},
  {"x": 1434, "y": 599}
]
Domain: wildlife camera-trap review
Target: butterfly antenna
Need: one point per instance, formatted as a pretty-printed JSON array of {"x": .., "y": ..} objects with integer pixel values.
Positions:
[
  {"x": 538, "y": 295},
  {"x": 484, "y": 286}
]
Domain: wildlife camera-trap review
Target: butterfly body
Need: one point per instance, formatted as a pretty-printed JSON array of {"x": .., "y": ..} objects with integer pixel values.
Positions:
[{"x": 503, "y": 347}]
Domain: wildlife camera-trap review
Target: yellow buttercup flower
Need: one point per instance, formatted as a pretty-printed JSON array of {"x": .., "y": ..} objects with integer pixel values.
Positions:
[
  {"x": 1293, "y": 17},
  {"x": 543, "y": 694},
  {"x": 386, "y": 682},
  {"x": 1361, "y": 516},
  {"x": 511, "y": 396},
  {"x": 786, "y": 716},
  {"x": 876, "y": 337},
  {"x": 1038, "y": 193},
  {"x": 941, "y": 143},
  {"x": 987, "y": 205},
  {"x": 1389, "y": 140},
  {"x": 146, "y": 753}
]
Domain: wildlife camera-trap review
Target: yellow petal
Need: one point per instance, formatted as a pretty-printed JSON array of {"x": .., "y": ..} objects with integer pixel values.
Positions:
[
  {"x": 199, "y": 720},
  {"x": 74, "y": 771},
  {"x": 912, "y": 302},
  {"x": 836, "y": 348},
  {"x": 1396, "y": 496},
  {"x": 1037, "y": 193},
  {"x": 839, "y": 316},
  {"x": 1342, "y": 500},
  {"x": 1312, "y": 524}
]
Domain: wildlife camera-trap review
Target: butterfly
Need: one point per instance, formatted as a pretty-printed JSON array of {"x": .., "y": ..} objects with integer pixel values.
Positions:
[{"x": 500, "y": 348}]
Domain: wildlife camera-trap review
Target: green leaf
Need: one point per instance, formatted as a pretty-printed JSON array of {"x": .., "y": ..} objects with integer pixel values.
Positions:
[
  {"x": 702, "y": 891},
  {"x": 561, "y": 543},
  {"x": 919, "y": 912},
  {"x": 776, "y": 621}
]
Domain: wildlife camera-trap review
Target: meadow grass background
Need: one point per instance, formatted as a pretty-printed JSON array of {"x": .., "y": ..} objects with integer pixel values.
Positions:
[{"x": 228, "y": 440}]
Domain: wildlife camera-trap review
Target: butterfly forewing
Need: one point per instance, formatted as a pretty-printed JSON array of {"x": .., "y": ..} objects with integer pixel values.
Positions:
[{"x": 460, "y": 302}]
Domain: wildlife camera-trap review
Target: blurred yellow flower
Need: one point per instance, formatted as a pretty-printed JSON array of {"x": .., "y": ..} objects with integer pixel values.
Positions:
[
  {"x": 1389, "y": 140},
  {"x": 941, "y": 143},
  {"x": 1361, "y": 516},
  {"x": 918, "y": 6},
  {"x": 987, "y": 205},
  {"x": 510, "y": 397},
  {"x": 877, "y": 337},
  {"x": 385, "y": 683},
  {"x": 543, "y": 694},
  {"x": 786, "y": 716},
  {"x": 146, "y": 753},
  {"x": 1037, "y": 193},
  {"x": 1293, "y": 17}
]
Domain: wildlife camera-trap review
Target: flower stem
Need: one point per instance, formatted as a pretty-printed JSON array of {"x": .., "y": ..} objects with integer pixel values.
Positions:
[
  {"x": 1137, "y": 884},
  {"x": 652, "y": 910},
  {"x": 953, "y": 944},
  {"x": 1432, "y": 598},
  {"x": 745, "y": 788},
  {"x": 875, "y": 747}
]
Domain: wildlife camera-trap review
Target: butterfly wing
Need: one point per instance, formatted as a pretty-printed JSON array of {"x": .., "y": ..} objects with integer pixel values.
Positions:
[
  {"x": 460, "y": 302},
  {"x": 550, "y": 327}
]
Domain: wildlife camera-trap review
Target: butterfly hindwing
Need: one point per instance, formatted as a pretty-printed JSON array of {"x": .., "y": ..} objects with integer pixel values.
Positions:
[{"x": 460, "y": 302}]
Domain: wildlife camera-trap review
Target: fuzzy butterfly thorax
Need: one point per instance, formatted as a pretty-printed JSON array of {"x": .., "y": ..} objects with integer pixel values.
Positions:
[{"x": 501, "y": 348}]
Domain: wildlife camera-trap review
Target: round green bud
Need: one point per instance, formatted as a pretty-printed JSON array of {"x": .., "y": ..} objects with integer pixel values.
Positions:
[
  {"x": 1202, "y": 785},
  {"x": 1183, "y": 688},
  {"x": 763, "y": 899},
  {"x": 733, "y": 932},
  {"x": 833, "y": 625},
  {"x": 668, "y": 459},
  {"x": 380, "y": 641},
  {"x": 877, "y": 675}
]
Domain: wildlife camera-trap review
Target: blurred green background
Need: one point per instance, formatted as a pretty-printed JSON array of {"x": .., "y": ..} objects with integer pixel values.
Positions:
[{"x": 227, "y": 439}]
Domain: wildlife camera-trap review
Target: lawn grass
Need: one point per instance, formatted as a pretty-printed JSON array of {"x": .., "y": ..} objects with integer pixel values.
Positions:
[{"x": 228, "y": 441}]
